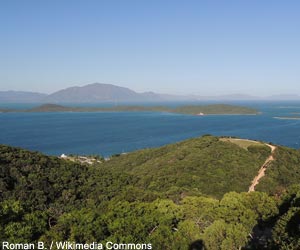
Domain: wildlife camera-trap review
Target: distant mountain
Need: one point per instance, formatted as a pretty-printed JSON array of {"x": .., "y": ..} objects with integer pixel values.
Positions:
[
  {"x": 243, "y": 97},
  {"x": 21, "y": 97},
  {"x": 232, "y": 97},
  {"x": 238, "y": 97},
  {"x": 100, "y": 92},
  {"x": 284, "y": 97}
]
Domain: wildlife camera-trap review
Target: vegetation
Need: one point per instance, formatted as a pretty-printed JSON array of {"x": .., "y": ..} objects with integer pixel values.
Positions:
[
  {"x": 283, "y": 172},
  {"x": 190, "y": 110},
  {"x": 206, "y": 165},
  {"x": 186, "y": 195}
]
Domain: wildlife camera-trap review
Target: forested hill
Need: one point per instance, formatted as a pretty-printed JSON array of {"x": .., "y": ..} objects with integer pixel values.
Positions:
[
  {"x": 204, "y": 165},
  {"x": 191, "y": 193}
]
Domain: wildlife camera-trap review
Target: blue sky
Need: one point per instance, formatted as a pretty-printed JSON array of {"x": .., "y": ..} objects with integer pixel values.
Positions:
[{"x": 178, "y": 47}]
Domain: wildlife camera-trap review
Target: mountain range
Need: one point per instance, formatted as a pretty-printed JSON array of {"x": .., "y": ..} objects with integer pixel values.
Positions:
[
  {"x": 100, "y": 92},
  {"x": 21, "y": 96}
]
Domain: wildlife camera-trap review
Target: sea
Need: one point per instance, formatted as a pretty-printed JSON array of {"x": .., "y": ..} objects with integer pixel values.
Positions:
[{"x": 108, "y": 133}]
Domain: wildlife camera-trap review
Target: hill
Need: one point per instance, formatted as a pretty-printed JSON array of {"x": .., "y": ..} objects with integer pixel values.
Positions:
[
  {"x": 188, "y": 194},
  {"x": 47, "y": 108},
  {"x": 207, "y": 166},
  {"x": 21, "y": 97}
]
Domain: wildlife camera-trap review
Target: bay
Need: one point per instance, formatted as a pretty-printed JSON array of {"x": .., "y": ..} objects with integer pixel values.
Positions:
[{"x": 108, "y": 133}]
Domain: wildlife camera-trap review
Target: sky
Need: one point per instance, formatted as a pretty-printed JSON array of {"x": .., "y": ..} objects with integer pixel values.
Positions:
[{"x": 205, "y": 47}]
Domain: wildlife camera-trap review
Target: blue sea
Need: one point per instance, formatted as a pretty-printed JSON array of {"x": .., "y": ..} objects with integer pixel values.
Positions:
[{"x": 108, "y": 133}]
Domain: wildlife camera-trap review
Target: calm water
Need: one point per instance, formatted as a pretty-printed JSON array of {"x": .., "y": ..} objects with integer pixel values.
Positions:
[{"x": 110, "y": 133}]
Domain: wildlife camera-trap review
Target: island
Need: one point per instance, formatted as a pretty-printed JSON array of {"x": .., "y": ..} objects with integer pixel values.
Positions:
[{"x": 212, "y": 109}]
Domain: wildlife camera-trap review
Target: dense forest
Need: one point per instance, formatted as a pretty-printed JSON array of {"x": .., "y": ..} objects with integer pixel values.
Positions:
[{"x": 188, "y": 195}]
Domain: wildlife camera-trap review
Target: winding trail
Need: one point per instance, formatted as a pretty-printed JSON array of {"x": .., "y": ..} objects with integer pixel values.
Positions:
[{"x": 261, "y": 172}]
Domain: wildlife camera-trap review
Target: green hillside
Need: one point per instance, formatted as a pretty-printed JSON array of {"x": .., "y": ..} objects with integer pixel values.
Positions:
[
  {"x": 188, "y": 195},
  {"x": 283, "y": 172},
  {"x": 204, "y": 165}
]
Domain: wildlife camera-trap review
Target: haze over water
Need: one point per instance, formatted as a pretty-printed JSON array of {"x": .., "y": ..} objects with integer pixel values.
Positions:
[{"x": 117, "y": 132}]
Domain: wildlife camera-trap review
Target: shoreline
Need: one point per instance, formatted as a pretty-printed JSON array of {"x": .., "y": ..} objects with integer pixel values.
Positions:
[{"x": 286, "y": 118}]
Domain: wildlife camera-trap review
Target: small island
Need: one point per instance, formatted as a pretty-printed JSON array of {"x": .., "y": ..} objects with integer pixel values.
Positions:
[{"x": 213, "y": 109}]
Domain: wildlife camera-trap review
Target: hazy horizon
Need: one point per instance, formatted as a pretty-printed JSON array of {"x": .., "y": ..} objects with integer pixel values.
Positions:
[
  {"x": 213, "y": 95},
  {"x": 202, "y": 48}
]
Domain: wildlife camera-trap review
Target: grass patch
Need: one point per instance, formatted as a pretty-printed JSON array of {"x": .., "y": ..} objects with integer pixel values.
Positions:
[{"x": 243, "y": 143}]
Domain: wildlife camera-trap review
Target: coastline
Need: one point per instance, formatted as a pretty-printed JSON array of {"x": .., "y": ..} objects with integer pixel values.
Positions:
[{"x": 286, "y": 118}]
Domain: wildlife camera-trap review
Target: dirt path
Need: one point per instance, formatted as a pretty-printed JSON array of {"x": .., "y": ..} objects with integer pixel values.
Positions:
[{"x": 261, "y": 172}]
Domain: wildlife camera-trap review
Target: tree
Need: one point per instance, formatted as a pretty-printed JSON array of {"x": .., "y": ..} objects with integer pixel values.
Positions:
[{"x": 225, "y": 236}]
